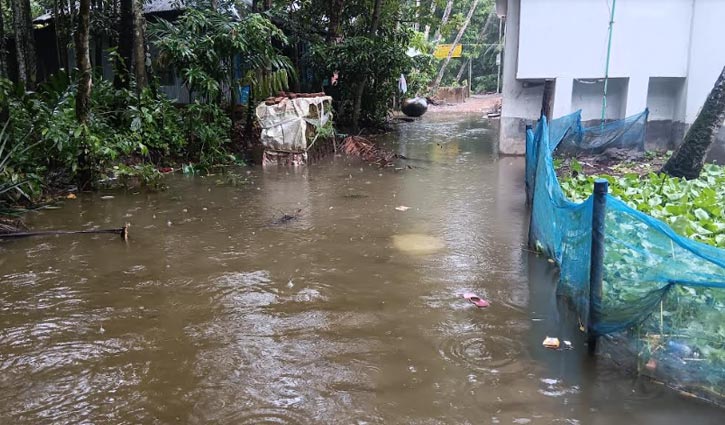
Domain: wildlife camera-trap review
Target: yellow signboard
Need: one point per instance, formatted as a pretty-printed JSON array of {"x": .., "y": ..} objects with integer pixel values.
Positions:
[{"x": 442, "y": 50}]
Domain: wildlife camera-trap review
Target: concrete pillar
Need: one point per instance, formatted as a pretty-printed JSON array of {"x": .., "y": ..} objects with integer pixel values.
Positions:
[
  {"x": 636, "y": 95},
  {"x": 562, "y": 97},
  {"x": 512, "y": 133}
]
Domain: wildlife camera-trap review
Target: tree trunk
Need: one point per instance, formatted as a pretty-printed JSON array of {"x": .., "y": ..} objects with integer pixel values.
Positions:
[
  {"x": 372, "y": 31},
  {"x": 432, "y": 12},
  {"x": 96, "y": 10},
  {"x": 139, "y": 46},
  {"x": 689, "y": 158},
  {"x": 480, "y": 37},
  {"x": 125, "y": 44},
  {"x": 83, "y": 62},
  {"x": 24, "y": 44},
  {"x": 377, "y": 9},
  {"x": 438, "y": 79},
  {"x": 3, "y": 53},
  {"x": 335, "y": 12},
  {"x": 416, "y": 24},
  {"x": 463, "y": 67},
  {"x": 444, "y": 21},
  {"x": 83, "y": 94},
  {"x": 61, "y": 45}
]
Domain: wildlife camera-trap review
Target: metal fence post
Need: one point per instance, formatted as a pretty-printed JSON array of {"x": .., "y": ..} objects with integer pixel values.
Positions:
[{"x": 596, "y": 271}]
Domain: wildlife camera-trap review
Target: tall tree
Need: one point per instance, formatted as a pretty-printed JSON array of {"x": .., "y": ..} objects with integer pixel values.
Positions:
[
  {"x": 372, "y": 31},
  {"x": 689, "y": 158},
  {"x": 83, "y": 61},
  {"x": 83, "y": 92},
  {"x": 139, "y": 46},
  {"x": 125, "y": 43},
  {"x": 444, "y": 21},
  {"x": 427, "y": 26},
  {"x": 477, "y": 50},
  {"x": 333, "y": 30},
  {"x": 24, "y": 43},
  {"x": 442, "y": 71},
  {"x": 3, "y": 53},
  {"x": 61, "y": 40}
]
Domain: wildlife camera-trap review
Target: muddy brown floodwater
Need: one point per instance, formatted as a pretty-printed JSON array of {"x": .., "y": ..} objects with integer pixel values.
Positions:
[{"x": 349, "y": 314}]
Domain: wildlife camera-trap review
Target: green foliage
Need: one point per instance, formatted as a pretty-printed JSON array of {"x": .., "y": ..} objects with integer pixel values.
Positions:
[
  {"x": 207, "y": 47},
  {"x": 691, "y": 318},
  {"x": 485, "y": 84},
  {"x": 421, "y": 73},
  {"x": 14, "y": 184},
  {"x": 327, "y": 131},
  {"x": 154, "y": 126},
  {"x": 130, "y": 176},
  {"x": 693, "y": 208},
  {"x": 208, "y": 130},
  {"x": 126, "y": 137},
  {"x": 379, "y": 60}
]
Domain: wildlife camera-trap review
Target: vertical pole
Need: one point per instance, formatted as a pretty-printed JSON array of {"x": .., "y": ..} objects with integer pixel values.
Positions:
[
  {"x": 470, "y": 80},
  {"x": 547, "y": 99},
  {"x": 606, "y": 66},
  {"x": 596, "y": 271},
  {"x": 498, "y": 57}
]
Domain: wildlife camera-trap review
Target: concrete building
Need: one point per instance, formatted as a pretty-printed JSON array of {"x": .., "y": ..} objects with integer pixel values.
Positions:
[{"x": 665, "y": 55}]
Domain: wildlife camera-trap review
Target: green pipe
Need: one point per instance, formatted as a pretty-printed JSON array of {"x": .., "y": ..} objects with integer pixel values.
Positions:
[{"x": 606, "y": 69}]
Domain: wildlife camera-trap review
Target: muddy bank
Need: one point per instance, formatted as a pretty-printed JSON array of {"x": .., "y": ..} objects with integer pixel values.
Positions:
[{"x": 475, "y": 104}]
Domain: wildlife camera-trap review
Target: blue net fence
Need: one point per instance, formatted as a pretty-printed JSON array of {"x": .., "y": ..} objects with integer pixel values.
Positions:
[{"x": 662, "y": 293}]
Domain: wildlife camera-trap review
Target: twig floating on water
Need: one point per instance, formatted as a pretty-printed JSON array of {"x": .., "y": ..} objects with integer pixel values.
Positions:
[{"x": 123, "y": 232}]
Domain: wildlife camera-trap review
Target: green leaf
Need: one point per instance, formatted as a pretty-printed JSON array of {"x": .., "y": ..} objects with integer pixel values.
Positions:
[{"x": 701, "y": 214}]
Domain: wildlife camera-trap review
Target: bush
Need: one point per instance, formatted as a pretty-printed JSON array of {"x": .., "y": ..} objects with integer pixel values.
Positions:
[
  {"x": 485, "y": 84},
  {"x": 44, "y": 148}
]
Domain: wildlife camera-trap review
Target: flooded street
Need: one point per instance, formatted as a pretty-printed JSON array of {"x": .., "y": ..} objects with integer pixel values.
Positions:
[{"x": 351, "y": 313}]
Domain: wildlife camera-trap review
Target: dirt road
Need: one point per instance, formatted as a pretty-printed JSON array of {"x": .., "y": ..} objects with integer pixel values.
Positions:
[{"x": 476, "y": 103}]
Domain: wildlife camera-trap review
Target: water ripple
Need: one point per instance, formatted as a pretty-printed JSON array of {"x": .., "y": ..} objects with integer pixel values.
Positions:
[{"x": 481, "y": 352}]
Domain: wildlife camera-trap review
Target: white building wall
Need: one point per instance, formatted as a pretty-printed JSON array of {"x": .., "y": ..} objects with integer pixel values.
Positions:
[
  {"x": 568, "y": 38},
  {"x": 668, "y": 53},
  {"x": 588, "y": 97},
  {"x": 707, "y": 53},
  {"x": 663, "y": 96}
]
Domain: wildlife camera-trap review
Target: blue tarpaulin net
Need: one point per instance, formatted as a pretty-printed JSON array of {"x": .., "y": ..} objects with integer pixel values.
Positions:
[{"x": 661, "y": 292}]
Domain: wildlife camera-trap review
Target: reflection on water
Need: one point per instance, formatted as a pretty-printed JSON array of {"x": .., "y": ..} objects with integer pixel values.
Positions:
[{"x": 212, "y": 313}]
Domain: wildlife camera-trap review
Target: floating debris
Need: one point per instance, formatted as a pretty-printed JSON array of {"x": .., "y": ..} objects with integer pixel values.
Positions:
[
  {"x": 551, "y": 342},
  {"x": 286, "y": 218},
  {"x": 416, "y": 243},
  {"x": 367, "y": 151}
]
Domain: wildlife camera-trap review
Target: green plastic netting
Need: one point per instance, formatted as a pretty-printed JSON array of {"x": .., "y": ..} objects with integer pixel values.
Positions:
[{"x": 662, "y": 294}]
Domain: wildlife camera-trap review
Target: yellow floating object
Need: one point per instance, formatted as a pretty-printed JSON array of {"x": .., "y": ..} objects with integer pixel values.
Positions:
[{"x": 416, "y": 243}]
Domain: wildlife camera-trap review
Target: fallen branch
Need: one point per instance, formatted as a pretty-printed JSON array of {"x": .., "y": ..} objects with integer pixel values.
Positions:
[
  {"x": 367, "y": 151},
  {"x": 123, "y": 232}
]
